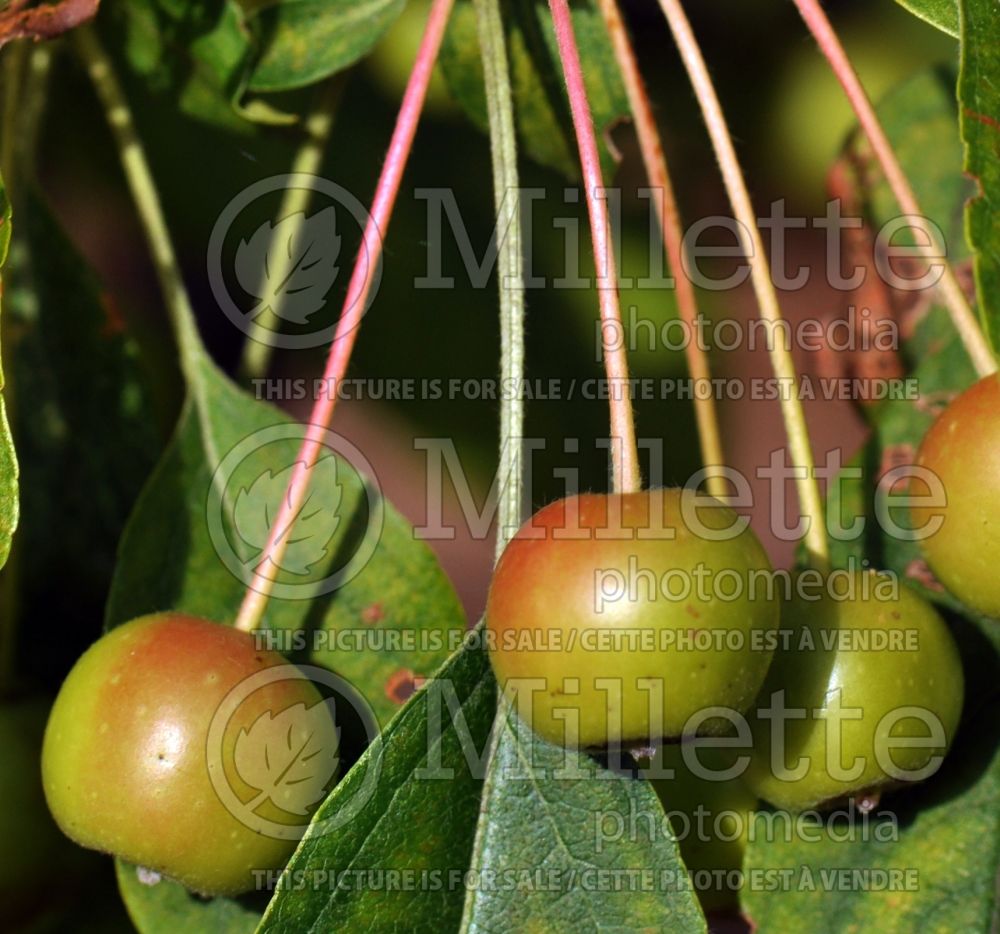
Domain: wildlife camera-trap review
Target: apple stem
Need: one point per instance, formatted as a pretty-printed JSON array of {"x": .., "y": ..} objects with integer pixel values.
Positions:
[
  {"x": 962, "y": 315},
  {"x": 867, "y": 801},
  {"x": 510, "y": 276},
  {"x": 782, "y": 363},
  {"x": 654, "y": 159},
  {"x": 626, "y": 477},
  {"x": 258, "y": 349},
  {"x": 369, "y": 256}
]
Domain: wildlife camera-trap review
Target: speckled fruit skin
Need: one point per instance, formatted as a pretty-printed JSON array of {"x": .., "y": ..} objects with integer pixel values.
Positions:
[
  {"x": 545, "y": 588},
  {"x": 963, "y": 448},
  {"x": 125, "y": 765},
  {"x": 713, "y": 860},
  {"x": 875, "y": 681}
]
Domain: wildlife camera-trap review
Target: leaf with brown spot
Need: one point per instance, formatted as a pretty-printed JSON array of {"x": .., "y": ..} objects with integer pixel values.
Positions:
[
  {"x": 400, "y": 685},
  {"x": 167, "y": 558},
  {"x": 945, "y": 832},
  {"x": 186, "y": 573},
  {"x": 871, "y": 304}
]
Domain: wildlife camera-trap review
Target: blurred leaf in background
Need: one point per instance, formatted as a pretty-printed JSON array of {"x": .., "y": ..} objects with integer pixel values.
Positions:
[{"x": 83, "y": 422}]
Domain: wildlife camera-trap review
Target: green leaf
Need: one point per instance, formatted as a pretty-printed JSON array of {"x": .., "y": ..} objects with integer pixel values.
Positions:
[
  {"x": 940, "y": 13},
  {"x": 405, "y": 852},
  {"x": 979, "y": 95},
  {"x": 165, "y": 907},
  {"x": 919, "y": 118},
  {"x": 546, "y": 814},
  {"x": 83, "y": 421},
  {"x": 209, "y": 56},
  {"x": 8, "y": 458},
  {"x": 542, "y": 107},
  {"x": 939, "y": 843},
  {"x": 8, "y": 486},
  {"x": 196, "y": 53},
  {"x": 399, "y": 615},
  {"x": 303, "y": 41}
]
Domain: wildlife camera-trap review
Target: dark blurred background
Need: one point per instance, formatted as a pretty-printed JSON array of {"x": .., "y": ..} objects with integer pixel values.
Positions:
[
  {"x": 786, "y": 113},
  {"x": 789, "y": 120}
]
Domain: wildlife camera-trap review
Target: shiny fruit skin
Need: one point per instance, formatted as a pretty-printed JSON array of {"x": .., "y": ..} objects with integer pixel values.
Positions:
[
  {"x": 963, "y": 449},
  {"x": 543, "y": 620},
  {"x": 125, "y": 763},
  {"x": 875, "y": 682},
  {"x": 711, "y": 820}
]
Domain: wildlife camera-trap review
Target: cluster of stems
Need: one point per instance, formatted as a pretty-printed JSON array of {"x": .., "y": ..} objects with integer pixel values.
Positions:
[{"x": 626, "y": 475}]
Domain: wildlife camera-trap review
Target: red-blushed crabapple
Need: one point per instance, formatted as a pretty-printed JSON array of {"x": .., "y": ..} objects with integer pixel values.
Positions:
[
  {"x": 962, "y": 448},
  {"x": 625, "y": 618},
  {"x": 127, "y": 765}
]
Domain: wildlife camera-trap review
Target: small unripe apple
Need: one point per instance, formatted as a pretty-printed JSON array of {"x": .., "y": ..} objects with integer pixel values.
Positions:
[
  {"x": 622, "y": 618},
  {"x": 963, "y": 449},
  {"x": 128, "y": 766},
  {"x": 866, "y": 696}
]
